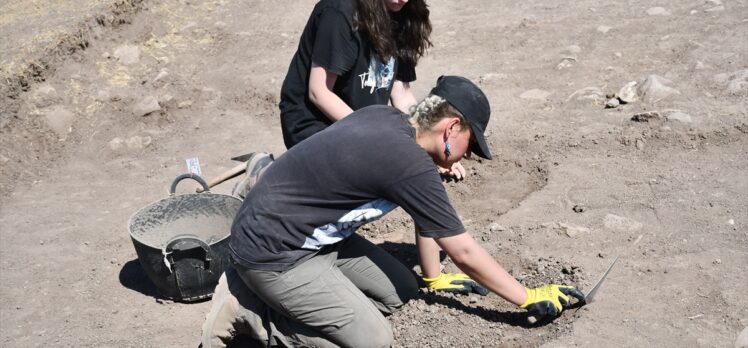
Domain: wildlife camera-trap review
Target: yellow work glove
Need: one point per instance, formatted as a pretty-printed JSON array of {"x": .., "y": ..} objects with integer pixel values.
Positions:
[
  {"x": 550, "y": 299},
  {"x": 455, "y": 282}
]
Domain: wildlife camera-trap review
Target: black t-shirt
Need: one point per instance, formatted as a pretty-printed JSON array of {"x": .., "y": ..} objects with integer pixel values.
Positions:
[
  {"x": 330, "y": 41},
  {"x": 320, "y": 192}
]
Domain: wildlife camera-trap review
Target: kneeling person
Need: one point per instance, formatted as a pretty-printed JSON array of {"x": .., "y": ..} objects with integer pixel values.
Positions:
[{"x": 294, "y": 243}]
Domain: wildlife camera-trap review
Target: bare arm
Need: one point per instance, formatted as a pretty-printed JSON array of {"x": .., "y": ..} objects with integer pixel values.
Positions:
[
  {"x": 401, "y": 96},
  {"x": 321, "y": 83},
  {"x": 428, "y": 256},
  {"x": 472, "y": 259}
]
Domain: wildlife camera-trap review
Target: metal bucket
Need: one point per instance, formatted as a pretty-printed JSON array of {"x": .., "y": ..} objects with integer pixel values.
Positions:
[{"x": 182, "y": 240}]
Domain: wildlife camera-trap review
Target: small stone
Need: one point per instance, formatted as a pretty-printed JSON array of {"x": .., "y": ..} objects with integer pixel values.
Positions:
[
  {"x": 549, "y": 225},
  {"x": 106, "y": 55},
  {"x": 487, "y": 78},
  {"x": 627, "y": 93},
  {"x": 146, "y": 106},
  {"x": 678, "y": 116},
  {"x": 742, "y": 340},
  {"x": 494, "y": 227},
  {"x": 699, "y": 65},
  {"x": 102, "y": 95},
  {"x": 161, "y": 75},
  {"x": 167, "y": 101},
  {"x": 646, "y": 116},
  {"x": 535, "y": 94},
  {"x": 59, "y": 120},
  {"x": 566, "y": 62},
  {"x": 655, "y": 88},
  {"x": 44, "y": 95},
  {"x": 579, "y": 208},
  {"x": 621, "y": 224},
  {"x": 738, "y": 82},
  {"x": 184, "y": 104},
  {"x": 731, "y": 222},
  {"x": 127, "y": 54},
  {"x": 612, "y": 103},
  {"x": 721, "y": 79},
  {"x": 138, "y": 143},
  {"x": 571, "y": 50},
  {"x": 717, "y": 261},
  {"x": 618, "y": 54},
  {"x": 715, "y": 9},
  {"x": 658, "y": 11},
  {"x": 587, "y": 93},
  {"x": 639, "y": 144},
  {"x": 473, "y": 299},
  {"x": 116, "y": 144},
  {"x": 86, "y": 243},
  {"x": 188, "y": 26},
  {"x": 572, "y": 230},
  {"x": 604, "y": 29}
]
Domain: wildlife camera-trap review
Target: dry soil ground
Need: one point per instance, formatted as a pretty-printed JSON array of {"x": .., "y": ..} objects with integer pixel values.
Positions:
[{"x": 104, "y": 99}]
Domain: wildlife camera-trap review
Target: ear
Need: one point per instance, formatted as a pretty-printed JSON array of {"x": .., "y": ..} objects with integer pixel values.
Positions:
[{"x": 453, "y": 128}]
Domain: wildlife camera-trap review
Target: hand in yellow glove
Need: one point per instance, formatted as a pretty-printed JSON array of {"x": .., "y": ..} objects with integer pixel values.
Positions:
[
  {"x": 455, "y": 282},
  {"x": 550, "y": 299}
]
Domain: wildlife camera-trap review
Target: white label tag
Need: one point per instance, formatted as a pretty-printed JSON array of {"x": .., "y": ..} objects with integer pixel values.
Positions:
[{"x": 193, "y": 166}]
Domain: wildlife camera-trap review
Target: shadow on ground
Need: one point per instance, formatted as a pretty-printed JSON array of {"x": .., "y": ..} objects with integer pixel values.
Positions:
[{"x": 133, "y": 277}]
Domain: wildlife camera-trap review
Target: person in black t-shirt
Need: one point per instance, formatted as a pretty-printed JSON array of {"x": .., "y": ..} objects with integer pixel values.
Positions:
[
  {"x": 352, "y": 54},
  {"x": 303, "y": 277}
]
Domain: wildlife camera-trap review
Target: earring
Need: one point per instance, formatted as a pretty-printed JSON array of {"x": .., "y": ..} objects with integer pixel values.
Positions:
[{"x": 447, "y": 149}]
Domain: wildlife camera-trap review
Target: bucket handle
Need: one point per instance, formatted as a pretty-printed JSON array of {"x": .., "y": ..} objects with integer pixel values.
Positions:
[
  {"x": 195, "y": 177},
  {"x": 184, "y": 242}
]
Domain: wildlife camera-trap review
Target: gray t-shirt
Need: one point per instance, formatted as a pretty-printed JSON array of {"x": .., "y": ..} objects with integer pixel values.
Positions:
[{"x": 319, "y": 192}]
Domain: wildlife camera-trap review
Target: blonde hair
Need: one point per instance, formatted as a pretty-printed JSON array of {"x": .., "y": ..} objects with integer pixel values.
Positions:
[{"x": 430, "y": 110}]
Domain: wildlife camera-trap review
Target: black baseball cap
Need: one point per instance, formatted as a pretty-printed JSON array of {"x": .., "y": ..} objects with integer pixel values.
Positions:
[{"x": 470, "y": 101}]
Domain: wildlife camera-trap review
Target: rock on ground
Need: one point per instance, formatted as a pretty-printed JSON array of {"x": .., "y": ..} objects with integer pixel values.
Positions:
[
  {"x": 59, "y": 120},
  {"x": 679, "y": 116},
  {"x": 658, "y": 11},
  {"x": 572, "y": 230},
  {"x": 742, "y": 340},
  {"x": 44, "y": 95},
  {"x": 738, "y": 82},
  {"x": 146, "y": 106},
  {"x": 535, "y": 94},
  {"x": 627, "y": 94},
  {"x": 655, "y": 88},
  {"x": 127, "y": 54},
  {"x": 621, "y": 224},
  {"x": 587, "y": 93}
]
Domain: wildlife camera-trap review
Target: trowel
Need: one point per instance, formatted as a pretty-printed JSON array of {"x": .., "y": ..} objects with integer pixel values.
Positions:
[
  {"x": 591, "y": 294},
  {"x": 588, "y": 296}
]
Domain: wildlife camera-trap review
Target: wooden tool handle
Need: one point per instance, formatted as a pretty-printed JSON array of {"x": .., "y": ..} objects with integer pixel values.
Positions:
[{"x": 231, "y": 173}]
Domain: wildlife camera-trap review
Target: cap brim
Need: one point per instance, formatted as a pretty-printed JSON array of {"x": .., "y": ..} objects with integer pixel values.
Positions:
[{"x": 479, "y": 147}]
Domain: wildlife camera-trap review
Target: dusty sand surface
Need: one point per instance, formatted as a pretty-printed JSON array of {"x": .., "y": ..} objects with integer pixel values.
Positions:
[{"x": 104, "y": 100}]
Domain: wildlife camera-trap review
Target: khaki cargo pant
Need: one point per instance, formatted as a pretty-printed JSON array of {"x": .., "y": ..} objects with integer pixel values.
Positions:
[{"x": 335, "y": 299}]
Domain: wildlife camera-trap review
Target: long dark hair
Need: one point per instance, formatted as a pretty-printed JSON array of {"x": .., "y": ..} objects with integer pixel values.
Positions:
[{"x": 403, "y": 34}]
